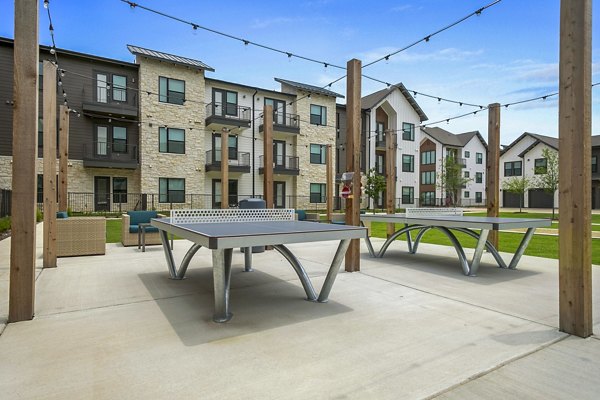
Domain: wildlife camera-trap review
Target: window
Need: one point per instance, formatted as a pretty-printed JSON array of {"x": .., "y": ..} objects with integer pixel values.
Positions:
[
  {"x": 478, "y": 158},
  {"x": 428, "y": 178},
  {"x": 119, "y": 88},
  {"x": 408, "y": 163},
  {"x": 337, "y": 125},
  {"x": 232, "y": 147},
  {"x": 408, "y": 195},
  {"x": 380, "y": 164},
  {"x": 428, "y": 198},
  {"x": 278, "y": 110},
  {"x": 119, "y": 139},
  {"x": 171, "y": 90},
  {"x": 217, "y": 193},
  {"x": 317, "y": 192},
  {"x": 171, "y": 140},
  {"x": 119, "y": 190},
  {"x": 467, "y": 174},
  {"x": 318, "y": 115},
  {"x": 171, "y": 190},
  {"x": 540, "y": 166},
  {"x": 317, "y": 153},
  {"x": 512, "y": 168},
  {"x": 408, "y": 131},
  {"x": 101, "y": 88},
  {"x": 467, "y": 194},
  {"x": 467, "y": 155},
  {"x": 101, "y": 140},
  {"x": 478, "y": 177},
  {"x": 380, "y": 130},
  {"x": 428, "y": 157},
  {"x": 594, "y": 164},
  {"x": 478, "y": 197}
]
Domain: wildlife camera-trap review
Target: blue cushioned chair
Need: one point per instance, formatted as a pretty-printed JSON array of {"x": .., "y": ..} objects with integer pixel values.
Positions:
[{"x": 130, "y": 227}]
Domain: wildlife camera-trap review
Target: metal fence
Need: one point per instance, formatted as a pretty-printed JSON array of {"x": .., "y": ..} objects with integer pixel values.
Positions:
[{"x": 5, "y": 202}]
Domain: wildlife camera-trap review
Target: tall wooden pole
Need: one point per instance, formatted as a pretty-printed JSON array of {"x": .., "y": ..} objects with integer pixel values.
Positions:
[
  {"x": 353, "y": 85},
  {"x": 49, "y": 104},
  {"x": 268, "y": 155},
  {"x": 224, "y": 168},
  {"x": 330, "y": 182},
  {"x": 63, "y": 154},
  {"x": 391, "y": 140},
  {"x": 492, "y": 176},
  {"x": 575, "y": 79},
  {"x": 24, "y": 150}
]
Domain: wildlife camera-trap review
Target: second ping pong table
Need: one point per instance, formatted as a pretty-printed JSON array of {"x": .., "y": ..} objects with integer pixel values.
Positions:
[
  {"x": 223, "y": 230},
  {"x": 465, "y": 224}
]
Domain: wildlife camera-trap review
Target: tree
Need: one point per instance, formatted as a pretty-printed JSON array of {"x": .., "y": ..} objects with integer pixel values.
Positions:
[
  {"x": 547, "y": 177},
  {"x": 374, "y": 186},
  {"x": 518, "y": 185},
  {"x": 451, "y": 179}
]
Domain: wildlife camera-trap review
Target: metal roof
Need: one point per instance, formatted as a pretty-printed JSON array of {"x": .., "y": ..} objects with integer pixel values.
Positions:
[
  {"x": 309, "y": 88},
  {"x": 157, "y": 55}
]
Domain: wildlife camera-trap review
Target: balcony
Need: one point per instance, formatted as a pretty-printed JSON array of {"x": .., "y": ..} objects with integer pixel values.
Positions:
[
  {"x": 462, "y": 162},
  {"x": 281, "y": 165},
  {"x": 238, "y": 161},
  {"x": 110, "y": 155},
  {"x": 283, "y": 123},
  {"x": 228, "y": 116},
  {"x": 95, "y": 103},
  {"x": 380, "y": 141}
]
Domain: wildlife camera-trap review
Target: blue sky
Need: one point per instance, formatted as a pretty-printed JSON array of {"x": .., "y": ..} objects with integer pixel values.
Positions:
[{"x": 509, "y": 53}]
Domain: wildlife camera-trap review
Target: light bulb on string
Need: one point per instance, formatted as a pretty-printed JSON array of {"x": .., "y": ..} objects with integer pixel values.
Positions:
[
  {"x": 52, "y": 50},
  {"x": 46, "y": 4}
]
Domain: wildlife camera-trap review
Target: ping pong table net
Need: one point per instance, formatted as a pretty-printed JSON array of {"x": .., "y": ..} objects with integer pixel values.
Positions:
[{"x": 231, "y": 215}]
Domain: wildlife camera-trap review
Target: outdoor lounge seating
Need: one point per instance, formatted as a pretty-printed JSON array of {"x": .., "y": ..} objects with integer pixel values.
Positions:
[
  {"x": 80, "y": 236},
  {"x": 130, "y": 227},
  {"x": 302, "y": 215},
  {"x": 339, "y": 219}
]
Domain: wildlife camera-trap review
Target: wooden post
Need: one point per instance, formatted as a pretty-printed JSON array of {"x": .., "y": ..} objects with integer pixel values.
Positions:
[
  {"x": 574, "y": 115},
  {"x": 268, "y": 155},
  {"x": 391, "y": 140},
  {"x": 49, "y": 107},
  {"x": 224, "y": 168},
  {"x": 63, "y": 163},
  {"x": 353, "y": 85},
  {"x": 492, "y": 175},
  {"x": 24, "y": 150},
  {"x": 330, "y": 182}
]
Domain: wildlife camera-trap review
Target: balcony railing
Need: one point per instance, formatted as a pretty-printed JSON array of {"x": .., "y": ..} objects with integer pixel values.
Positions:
[
  {"x": 110, "y": 155},
  {"x": 380, "y": 140},
  {"x": 238, "y": 161},
  {"x": 229, "y": 111},
  {"x": 283, "y": 123},
  {"x": 289, "y": 165}
]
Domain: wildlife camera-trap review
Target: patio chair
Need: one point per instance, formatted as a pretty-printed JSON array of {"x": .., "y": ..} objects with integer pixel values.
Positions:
[
  {"x": 80, "y": 236},
  {"x": 339, "y": 219},
  {"x": 302, "y": 215},
  {"x": 130, "y": 227}
]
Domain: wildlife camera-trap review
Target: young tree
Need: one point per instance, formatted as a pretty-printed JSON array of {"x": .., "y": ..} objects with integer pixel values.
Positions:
[
  {"x": 547, "y": 177},
  {"x": 374, "y": 186},
  {"x": 451, "y": 179},
  {"x": 518, "y": 185}
]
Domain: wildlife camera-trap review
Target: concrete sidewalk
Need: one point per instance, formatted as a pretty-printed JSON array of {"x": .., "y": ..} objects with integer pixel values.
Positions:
[{"x": 406, "y": 326}]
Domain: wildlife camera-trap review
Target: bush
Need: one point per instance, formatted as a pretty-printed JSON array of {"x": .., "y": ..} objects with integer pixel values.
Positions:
[
  {"x": 39, "y": 216},
  {"x": 4, "y": 224}
]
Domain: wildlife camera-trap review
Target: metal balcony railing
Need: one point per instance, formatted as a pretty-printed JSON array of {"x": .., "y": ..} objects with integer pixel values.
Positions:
[
  {"x": 236, "y": 158},
  {"x": 230, "y": 111},
  {"x": 111, "y": 152},
  {"x": 284, "y": 119},
  {"x": 288, "y": 163}
]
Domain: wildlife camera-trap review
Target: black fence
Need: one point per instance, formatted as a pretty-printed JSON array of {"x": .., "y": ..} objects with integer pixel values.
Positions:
[{"x": 5, "y": 202}]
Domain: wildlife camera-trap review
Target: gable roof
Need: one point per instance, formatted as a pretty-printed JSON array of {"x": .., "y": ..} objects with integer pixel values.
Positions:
[
  {"x": 443, "y": 136},
  {"x": 371, "y": 100},
  {"x": 467, "y": 136},
  {"x": 157, "y": 55},
  {"x": 549, "y": 141},
  {"x": 309, "y": 88}
]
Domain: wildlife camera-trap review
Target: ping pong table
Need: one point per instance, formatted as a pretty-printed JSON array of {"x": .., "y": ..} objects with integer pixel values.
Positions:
[
  {"x": 225, "y": 229},
  {"x": 465, "y": 224}
]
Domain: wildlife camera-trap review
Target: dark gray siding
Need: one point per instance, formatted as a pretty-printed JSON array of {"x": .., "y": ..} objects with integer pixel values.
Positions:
[{"x": 340, "y": 142}]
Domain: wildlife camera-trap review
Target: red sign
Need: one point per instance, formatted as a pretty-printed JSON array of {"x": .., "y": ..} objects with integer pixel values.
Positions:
[{"x": 345, "y": 192}]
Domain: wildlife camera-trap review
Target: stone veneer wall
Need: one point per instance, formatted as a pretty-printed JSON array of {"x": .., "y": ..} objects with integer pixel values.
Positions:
[{"x": 189, "y": 116}]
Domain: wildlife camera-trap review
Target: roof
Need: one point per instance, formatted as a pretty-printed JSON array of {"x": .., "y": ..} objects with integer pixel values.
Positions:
[
  {"x": 370, "y": 101},
  {"x": 467, "y": 136},
  {"x": 444, "y": 137},
  {"x": 157, "y": 55},
  {"x": 550, "y": 141},
  {"x": 309, "y": 88}
]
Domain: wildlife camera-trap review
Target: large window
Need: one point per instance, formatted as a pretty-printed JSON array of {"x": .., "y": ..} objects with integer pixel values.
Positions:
[
  {"x": 594, "y": 164},
  {"x": 278, "y": 110},
  {"x": 171, "y": 190},
  {"x": 428, "y": 178},
  {"x": 380, "y": 164},
  {"x": 408, "y": 131},
  {"x": 101, "y": 88},
  {"x": 478, "y": 177},
  {"x": 119, "y": 139},
  {"x": 428, "y": 198},
  {"x": 408, "y": 195},
  {"x": 232, "y": 147},
  {"x": 119, "y": 190},
  {"x": 171, "y": 90},
  {"x": 478, "y": 197},
  {"x": 317, "y": 193},
  {"x": 408, "y": 163},
  {"x": 540, "y": 166},
  {"x": 428, "y": 157},
  {"x": 318, "y": 115},
  {"x": 478, "y": 158},
  {"x": 101, "y": 140},
  {"x": 171, "y": 140},
  {"x": 513, "y": 168},
  {"x": 317, "y": 153},
  {"x": 119, "y": 88}
]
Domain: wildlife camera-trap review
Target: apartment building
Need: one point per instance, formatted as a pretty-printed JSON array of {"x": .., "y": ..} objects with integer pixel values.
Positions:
[
  {"x": 524, "y": 158},
  {"x": 469, "y": 149}
]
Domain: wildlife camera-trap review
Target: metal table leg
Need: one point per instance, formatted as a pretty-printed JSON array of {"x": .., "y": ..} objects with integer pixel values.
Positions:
[
  {"x": 333, "y": 270},
  {"x": 368, "y": 242},
  {"x": 521, "y": 248},
  {"x": 248, "y": 259},
  {"x": 478, "y": 252},
  {"x": 222, "y": 278}
]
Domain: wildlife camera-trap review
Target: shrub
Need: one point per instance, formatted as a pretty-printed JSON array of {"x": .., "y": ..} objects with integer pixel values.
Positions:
[{"x": 4, "y": 224}]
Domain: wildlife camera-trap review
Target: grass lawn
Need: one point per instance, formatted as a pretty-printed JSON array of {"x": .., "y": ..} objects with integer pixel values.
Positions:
[
  {"x": 540, "y": 245},
  {"x": 113, "y": 230}
]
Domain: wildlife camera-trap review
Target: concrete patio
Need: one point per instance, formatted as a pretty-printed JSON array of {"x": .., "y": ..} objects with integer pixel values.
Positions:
[{"x": 406, "y": 326}]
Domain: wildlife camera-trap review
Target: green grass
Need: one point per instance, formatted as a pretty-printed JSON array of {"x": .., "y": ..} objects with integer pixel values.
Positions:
[
  {"x": 4, "y": 224},
  {"x": 113, "y": 230},
  {"x": 539, "y": 246}
]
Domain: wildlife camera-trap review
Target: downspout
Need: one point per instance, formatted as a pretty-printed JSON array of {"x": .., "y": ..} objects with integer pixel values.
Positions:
[{"x": 253, "y": 145}]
